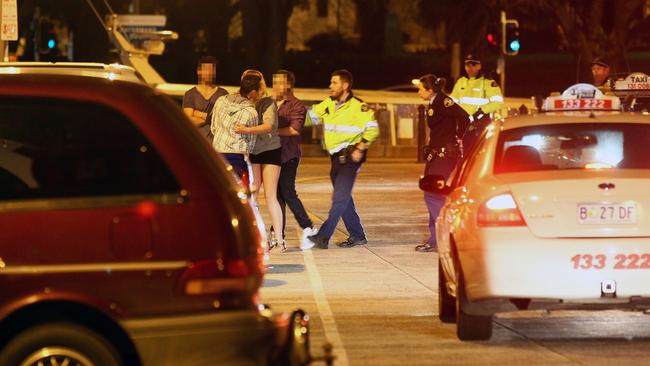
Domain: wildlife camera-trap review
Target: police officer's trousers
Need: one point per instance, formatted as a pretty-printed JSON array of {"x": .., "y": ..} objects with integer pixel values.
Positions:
[
  {"x": 435, "y": 201},
  {"x": 343, "y": 177}
]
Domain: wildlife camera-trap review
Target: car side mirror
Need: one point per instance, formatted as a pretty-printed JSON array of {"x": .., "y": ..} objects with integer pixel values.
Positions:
[{"x": 434, "y": 184}]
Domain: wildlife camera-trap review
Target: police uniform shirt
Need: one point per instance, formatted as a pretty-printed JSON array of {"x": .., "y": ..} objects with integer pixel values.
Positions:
[
  {"x": 446, "y": 120},
  {"x": 344, "y": 124},
  {"x": 475, "y": 93}
]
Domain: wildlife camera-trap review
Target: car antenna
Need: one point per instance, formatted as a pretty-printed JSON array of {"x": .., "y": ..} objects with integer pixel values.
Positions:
[
  {"x": 99, "y": 17},
  {"x": 578, "y": 69}
]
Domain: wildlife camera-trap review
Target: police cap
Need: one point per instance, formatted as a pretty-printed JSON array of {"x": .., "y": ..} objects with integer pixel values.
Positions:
[
  {"x": 472, "y": 59},
  {"x": 600, "y": 61}
]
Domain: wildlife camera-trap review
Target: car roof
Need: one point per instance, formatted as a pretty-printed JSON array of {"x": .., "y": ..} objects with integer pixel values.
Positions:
[
  {"x": 549, "y": 118},
  {"x": 86, "y": 69}
]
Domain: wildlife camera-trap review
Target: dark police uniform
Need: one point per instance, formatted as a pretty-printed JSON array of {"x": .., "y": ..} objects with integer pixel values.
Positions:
[{"x": 447, "y": 122}]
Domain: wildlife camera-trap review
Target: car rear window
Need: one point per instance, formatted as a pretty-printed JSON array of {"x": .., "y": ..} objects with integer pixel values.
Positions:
[
  {"x": 573, "y": 146},
  {"x": 55, "y": 148}
]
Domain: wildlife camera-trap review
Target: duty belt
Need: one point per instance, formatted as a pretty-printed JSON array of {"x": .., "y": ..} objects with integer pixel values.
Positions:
[{"x": 449, "y": 151}]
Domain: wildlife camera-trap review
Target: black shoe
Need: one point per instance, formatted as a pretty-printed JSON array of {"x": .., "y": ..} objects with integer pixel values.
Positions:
[
  {"x": 319, "y": 241},
  {"x": 349, "y": 242},
  {"x": 426, "y": 248},
  {"x": 421, "y": 245}
]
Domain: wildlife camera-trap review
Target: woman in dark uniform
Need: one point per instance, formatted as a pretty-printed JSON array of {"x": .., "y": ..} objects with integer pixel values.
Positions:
[{"x": 447, "y": 122}]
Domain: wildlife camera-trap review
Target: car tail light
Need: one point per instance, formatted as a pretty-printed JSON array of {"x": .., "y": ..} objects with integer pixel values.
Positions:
[
  {"x": 500, "y": 210},
  {"x": 216, "y": 276}
]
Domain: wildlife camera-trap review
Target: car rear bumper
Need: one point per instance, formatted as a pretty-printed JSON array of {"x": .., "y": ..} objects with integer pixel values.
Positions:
[
  {"x": 228, "y": 338},
  {"x": 512, "y": 263}
]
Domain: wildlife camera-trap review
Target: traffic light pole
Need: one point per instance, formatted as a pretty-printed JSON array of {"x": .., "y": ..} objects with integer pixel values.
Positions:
[
  {"x": 501, "y": 63},
  {"x": 501, "y": 68}
]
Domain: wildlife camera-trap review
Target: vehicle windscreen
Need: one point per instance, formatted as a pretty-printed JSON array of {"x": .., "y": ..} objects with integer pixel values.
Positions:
[{"x": 573, "y": 146}]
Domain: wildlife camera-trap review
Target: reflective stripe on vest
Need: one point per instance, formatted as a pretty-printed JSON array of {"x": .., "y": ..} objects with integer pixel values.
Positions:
[
  {"x": 345, "y": 129},
  {"x": 473, "y": 101},
  {"x": 338, "y": 148}
]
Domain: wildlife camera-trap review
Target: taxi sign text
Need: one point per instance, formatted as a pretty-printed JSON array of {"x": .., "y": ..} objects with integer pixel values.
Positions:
[{"x": 582, "y": 104}]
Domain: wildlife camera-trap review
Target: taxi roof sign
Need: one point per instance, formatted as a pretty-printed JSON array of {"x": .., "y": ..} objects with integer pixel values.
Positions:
[
  {"x": 637, "y": 84},
  {"x": 582, "y": 97}
]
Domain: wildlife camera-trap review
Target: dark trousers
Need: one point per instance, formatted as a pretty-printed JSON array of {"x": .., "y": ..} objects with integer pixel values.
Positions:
[
  {"x": 435, "y": 201},
  {"x": 287, "y": 195},
  {"x": 343, "y": 177},
  {"x": 238, "y": 162}
]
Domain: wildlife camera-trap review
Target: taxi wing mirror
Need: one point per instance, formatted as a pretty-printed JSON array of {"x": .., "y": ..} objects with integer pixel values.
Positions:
[{"x": 434, "y": 183}]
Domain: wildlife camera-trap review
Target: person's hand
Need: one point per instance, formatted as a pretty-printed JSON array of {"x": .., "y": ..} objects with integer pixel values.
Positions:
[
  {"x": 357, "y": 155},
  {"x": 478, "y": 114},
  {"x": 241, "y": 129}
]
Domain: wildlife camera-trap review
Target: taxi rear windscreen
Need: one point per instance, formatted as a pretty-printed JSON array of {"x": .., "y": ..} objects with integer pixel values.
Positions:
[{"x": 573, "y": 146}]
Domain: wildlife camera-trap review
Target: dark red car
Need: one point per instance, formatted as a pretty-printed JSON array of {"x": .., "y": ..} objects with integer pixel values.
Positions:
[{"x": 124, "y": 240}]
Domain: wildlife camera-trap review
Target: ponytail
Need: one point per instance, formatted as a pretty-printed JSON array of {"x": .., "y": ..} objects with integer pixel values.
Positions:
[
  {"x": 432, "y": 82},
  {"x": 440, "y": 84}
]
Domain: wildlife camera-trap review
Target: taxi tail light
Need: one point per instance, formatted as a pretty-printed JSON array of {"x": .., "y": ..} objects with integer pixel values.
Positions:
[
  {"x": 500, "y": 210},
  {"x": 215, "y": 276}
]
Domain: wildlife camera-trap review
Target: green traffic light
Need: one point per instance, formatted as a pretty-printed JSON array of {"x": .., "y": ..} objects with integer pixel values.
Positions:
[{"x": 514, "y": 45}]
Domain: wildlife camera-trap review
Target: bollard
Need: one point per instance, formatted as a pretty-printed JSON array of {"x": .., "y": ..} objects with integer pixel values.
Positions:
[{"x": 422, "y": 133}]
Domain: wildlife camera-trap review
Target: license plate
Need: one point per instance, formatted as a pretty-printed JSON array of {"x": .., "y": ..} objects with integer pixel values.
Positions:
[{"x": 602, "y": 214}]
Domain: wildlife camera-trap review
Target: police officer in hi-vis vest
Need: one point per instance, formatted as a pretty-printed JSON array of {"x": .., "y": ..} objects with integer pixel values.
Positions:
[
  {"x": 479, "y": 96},
  {"x": 349, "y": 127},
  {"x": 447, "y": 123}
]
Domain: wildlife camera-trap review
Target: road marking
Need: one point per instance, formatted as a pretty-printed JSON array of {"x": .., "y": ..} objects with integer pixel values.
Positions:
[{"x": 324, "y": 310}]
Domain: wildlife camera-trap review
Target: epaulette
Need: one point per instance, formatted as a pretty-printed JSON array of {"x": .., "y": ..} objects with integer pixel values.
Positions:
[{"x": 359, "y": 99}]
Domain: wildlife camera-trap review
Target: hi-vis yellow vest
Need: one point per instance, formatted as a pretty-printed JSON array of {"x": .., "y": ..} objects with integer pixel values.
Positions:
[
  {"x": 473, "y": 93},
  {"x": 346, "y": 125}
]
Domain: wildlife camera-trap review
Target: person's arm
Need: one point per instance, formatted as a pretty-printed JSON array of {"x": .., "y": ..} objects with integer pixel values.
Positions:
[
  {"x": 455, "y": 93},
  {"x": 316, "y": 112},
  {"x": 256, "y": 130},
  {"x": 494, "y": 97},
  {"x": 370, "y": 133},
  {"x": 245, "y": 118},
  {"x": 269, "y": 119},
  {"x": 188, "y": 109},
  {"x": 288, "y": 131},
  {"x": 199, "y": 114},
  {"x": 371, "y": 130},
  {"x": 296, "y": 120}
]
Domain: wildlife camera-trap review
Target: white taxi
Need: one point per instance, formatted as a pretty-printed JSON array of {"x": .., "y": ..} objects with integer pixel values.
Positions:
[{"x": 549, "y": 211}]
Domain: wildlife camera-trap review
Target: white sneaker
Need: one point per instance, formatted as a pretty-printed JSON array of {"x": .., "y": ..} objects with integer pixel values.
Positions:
[{"x": 305, "y": 243}]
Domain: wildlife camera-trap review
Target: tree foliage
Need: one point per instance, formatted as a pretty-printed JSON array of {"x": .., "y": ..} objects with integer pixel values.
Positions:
[
  {"x": 606, "y": 28},
  {"x": 587, "y": 28}
]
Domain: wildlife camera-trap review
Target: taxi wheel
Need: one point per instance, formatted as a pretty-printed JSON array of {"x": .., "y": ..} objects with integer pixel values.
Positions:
[
  {"x": 59, "y": 344},
  {"x": 469, "y": 327},
  {"x": 446, "y": 302}
]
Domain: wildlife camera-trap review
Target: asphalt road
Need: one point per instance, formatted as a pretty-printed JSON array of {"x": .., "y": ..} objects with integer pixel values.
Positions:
[{"x": 377, "y": 303}]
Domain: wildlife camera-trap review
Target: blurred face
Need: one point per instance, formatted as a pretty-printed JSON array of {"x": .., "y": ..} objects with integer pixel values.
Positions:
[
  {"x": 424, "y": 93},
  {"x": 600, "y": 73},
  {"x": 472, "y": 69},
  {"x": 280, "y": 86},
  {"x": 338, "y": 87},
  {"x": 206, "y": 73}
]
